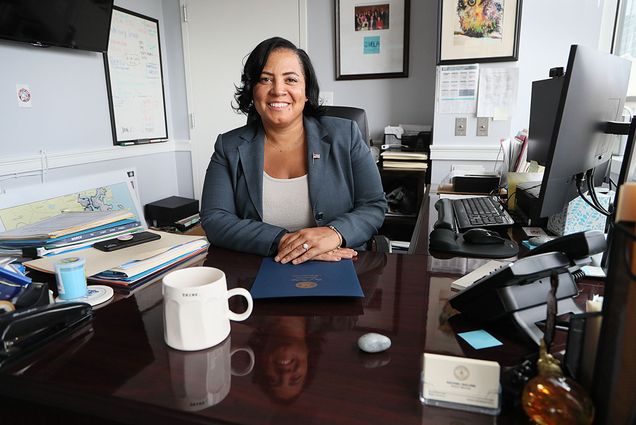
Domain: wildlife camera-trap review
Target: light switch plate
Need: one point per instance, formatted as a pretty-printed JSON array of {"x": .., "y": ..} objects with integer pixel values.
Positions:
[
  {"x": 460, "y": 126},
  {"x": 482, "y": 126}
]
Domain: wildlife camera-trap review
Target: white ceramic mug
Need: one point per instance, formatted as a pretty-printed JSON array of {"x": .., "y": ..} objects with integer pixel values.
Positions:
[
  {"x": 195, "y": 308},
  {"x": 203, "y": 378}
]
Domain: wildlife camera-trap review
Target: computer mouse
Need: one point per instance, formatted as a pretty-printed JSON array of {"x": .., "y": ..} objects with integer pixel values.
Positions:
[{"x": 482, "y": 237}]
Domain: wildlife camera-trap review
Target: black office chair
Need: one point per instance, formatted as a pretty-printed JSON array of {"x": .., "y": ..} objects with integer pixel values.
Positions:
[
  {"x": 378, "y": 243},
  {"x": 357, "y": 115}
]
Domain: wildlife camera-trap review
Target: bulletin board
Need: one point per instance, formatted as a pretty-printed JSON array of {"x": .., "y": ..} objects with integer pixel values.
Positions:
[{"x": 134, "y": 79}]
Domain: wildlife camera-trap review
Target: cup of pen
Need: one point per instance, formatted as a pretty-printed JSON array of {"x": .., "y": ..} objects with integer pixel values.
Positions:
[{"x": 71, "y": 278}]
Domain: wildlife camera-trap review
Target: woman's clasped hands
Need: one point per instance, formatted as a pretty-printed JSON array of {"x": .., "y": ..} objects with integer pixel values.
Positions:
[{"x": 315, "y": 243}]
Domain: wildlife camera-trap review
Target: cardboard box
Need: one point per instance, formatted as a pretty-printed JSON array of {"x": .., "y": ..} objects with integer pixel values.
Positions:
[{"x": 578, "y": 216}]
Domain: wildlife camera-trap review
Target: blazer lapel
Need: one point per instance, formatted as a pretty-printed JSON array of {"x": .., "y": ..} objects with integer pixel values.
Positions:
[
  {"x": 251, "y": 155},
  {"x": 318, "y": 149}
]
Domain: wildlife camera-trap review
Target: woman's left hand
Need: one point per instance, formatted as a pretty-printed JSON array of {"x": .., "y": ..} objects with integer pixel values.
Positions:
[
  {"x": 336, "y": 254},
  {"x": 310, "y": 243}
]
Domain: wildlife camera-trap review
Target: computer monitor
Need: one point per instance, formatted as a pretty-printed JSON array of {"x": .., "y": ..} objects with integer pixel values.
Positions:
[{"x": 568, "y": 116}]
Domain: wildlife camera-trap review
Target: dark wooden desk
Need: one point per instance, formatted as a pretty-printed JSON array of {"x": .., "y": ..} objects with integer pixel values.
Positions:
[{"x": 118, "y": 367}]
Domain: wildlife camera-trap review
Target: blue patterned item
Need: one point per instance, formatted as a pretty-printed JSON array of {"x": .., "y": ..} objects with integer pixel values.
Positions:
[
  {"x": 578, "y": 216},
  {"x": 9, "y": 290}
]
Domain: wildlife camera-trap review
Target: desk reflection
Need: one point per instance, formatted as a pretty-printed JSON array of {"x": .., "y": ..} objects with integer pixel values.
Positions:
[
  {"x": 202, "y": 379},
  {"x": 283, "y": 349},
  {"x": 287, "y": 350}
]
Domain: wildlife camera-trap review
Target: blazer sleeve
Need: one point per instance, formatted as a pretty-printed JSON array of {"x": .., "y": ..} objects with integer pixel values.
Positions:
[
  {"x": 369, "y": 203},
  {"x": 224, "y": 226}
]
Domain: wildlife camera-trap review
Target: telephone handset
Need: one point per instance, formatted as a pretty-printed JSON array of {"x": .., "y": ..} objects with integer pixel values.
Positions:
[
  {"x": 521, "y": 287},
  {"x": 576, "y": 246}
]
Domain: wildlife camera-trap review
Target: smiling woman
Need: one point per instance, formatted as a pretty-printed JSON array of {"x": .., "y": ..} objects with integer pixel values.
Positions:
[{"x": 291, "y": 183}]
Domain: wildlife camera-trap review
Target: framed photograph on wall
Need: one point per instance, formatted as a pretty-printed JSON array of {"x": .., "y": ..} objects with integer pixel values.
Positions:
[
  {"x": 471, "y": 31},
  {"x": 372, "y": 39}
]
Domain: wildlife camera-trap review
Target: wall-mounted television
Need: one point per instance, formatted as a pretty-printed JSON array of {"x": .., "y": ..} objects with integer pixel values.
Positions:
[{"x": 77, "y": 24}]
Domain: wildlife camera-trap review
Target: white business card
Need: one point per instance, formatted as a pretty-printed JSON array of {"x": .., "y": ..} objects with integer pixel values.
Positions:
[
  {"x": 531, "y": 232},
  {"x": 460, "y": 381}
]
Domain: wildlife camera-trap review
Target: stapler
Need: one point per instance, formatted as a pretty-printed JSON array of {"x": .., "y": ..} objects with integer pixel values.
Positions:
[{"x": 24, "y": 329}]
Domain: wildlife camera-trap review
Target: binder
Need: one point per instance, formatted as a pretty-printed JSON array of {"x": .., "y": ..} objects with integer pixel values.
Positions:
[{"x": 309, "y": 279}]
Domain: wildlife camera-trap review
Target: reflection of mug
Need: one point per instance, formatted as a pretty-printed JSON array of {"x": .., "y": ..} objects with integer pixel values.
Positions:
[
  {"x": 203, "y": 378},
  {"x": 196, "y": 313}
]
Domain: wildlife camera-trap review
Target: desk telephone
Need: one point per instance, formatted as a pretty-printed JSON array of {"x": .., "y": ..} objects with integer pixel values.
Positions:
[
  {"x": 520, "y": 288},
  {"x": 28, "y": 328}
]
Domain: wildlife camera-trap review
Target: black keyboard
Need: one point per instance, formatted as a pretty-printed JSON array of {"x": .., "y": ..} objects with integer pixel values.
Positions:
[{"x": 483, "y": 212}]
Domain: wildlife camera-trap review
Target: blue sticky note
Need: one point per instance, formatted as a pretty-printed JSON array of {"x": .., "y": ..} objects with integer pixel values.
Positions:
[
  {"x": 480, "y": 339},
  {"x": 372, "y": 45}
]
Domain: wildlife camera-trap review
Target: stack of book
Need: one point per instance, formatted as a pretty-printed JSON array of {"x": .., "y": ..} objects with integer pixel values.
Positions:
[
  {"x": 130, "y": 268},
  {"x": 135, "y": 273},
  {"x": 392, "y": 159},
  {"x": 69, "y": 231}
]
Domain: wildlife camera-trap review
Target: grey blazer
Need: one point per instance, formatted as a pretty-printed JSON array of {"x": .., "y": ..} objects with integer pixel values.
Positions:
[{"x": 345, "y": 189}]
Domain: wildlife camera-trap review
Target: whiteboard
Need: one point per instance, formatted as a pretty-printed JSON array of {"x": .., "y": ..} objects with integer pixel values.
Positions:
[{"x": 135, "y": 79}]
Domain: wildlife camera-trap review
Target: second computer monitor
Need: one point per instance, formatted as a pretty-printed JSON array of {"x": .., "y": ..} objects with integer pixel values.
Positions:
[{"x": 567, "y": 121}]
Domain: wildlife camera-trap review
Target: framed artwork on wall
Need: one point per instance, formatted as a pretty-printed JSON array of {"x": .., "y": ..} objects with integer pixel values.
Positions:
[
  {"x": 372, "y": 39},
  {"x": 471, "y": 31}
]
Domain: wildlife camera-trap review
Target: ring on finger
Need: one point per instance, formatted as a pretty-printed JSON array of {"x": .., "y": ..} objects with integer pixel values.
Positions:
[{"x": 306, "y": 246}]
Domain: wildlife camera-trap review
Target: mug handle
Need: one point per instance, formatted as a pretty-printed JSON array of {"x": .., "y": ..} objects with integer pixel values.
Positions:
[
  {"x": 246, "y": 294},
  {"x": 249, "y": 367}
]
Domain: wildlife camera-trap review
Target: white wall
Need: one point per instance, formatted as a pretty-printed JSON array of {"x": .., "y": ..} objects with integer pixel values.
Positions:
[
  {"x": 70, "y": 113},
  {"x": 548, "y": 28},
  {"x": 386, "y": 101},
  {"x": 70, "y": 118}
]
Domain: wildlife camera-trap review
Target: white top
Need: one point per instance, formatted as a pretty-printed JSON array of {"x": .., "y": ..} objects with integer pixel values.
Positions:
[{"x": 286, "y": 202}]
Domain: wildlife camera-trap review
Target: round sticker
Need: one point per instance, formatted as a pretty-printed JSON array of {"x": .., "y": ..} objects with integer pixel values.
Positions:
[{"x": 24, "y": 95}]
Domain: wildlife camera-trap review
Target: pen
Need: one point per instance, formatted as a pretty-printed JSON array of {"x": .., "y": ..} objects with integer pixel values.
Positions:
[{"x": 14, "y": 277}]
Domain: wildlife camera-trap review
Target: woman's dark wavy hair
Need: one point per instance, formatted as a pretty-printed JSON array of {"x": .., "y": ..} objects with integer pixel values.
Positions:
[{"x": 252, "y": 71}]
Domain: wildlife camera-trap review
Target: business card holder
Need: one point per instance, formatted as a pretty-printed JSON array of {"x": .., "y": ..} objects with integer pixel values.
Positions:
[{"x": 458, "y": 406}]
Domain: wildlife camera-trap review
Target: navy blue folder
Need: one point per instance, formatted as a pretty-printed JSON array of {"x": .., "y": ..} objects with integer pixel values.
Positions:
[{"x": 310, "y": 279}]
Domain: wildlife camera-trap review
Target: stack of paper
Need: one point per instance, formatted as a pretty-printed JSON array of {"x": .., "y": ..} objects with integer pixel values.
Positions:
[
  {"x": 131, "y": 267},
  {"x": 132, "y": 272},
  {"x": 404, "y": 160},
  {"x": 70, "y": 228},
  {"x": 514, "y": 152}
]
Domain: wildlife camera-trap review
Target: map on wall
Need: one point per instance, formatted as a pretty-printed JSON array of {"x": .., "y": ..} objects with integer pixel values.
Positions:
[
  {"x": 100, "y": 192},
  {"x": 105, "y": 198}
]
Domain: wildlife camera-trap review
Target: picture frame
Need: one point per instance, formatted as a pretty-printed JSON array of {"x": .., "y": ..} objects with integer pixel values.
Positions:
[
  {"x": 492, "y": 38},
  {"x": 372, "y": 39}
]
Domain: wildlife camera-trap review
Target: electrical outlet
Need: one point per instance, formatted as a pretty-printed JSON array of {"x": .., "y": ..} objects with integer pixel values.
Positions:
[
  {"x": 482, "y": 126},
  {"x": 460, "y": 126}
]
